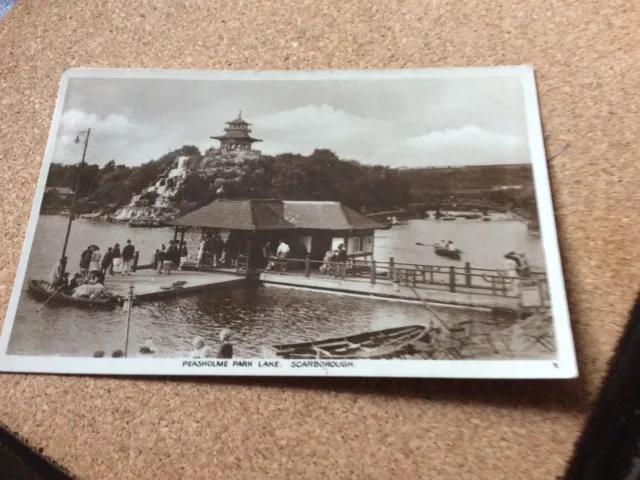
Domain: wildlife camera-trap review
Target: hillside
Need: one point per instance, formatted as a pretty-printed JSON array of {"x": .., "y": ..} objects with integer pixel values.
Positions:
[{"x": 185, "y": 179}]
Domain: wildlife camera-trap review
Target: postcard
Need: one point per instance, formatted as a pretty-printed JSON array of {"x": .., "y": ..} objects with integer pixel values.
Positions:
[{"x": 383, "y": 223}]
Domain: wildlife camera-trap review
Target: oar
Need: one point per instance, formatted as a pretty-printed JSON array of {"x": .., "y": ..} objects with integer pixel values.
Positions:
[
  {"x": 431, "y": 309},
  {"x": 47, "y": 300}
]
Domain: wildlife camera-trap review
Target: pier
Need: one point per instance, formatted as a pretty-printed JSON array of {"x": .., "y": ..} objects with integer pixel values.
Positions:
[
  {"x": 452, "y": 285},
  {"x": 462, "y": 286},
  {"x": 149, "y": 285}
]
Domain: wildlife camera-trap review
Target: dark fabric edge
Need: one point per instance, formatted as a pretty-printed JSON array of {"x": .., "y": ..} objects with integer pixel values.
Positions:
[{"x": 33, "y": 459}]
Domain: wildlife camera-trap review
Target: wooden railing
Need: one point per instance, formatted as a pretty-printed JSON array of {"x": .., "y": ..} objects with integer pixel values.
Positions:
[{"x": 451, "y": 278}]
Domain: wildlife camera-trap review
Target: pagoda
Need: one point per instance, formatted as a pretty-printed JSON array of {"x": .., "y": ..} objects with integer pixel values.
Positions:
[{"x": 237, "y": 135}]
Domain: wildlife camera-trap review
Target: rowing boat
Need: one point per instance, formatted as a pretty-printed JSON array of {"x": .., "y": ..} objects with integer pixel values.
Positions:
[
  {"x": 388, "y": 343},
  {"x": 41, "y": 290},
  {"x": 445, "y": 252}
]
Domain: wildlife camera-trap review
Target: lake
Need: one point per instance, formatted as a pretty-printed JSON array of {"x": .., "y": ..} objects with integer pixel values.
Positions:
[{"x": 257, "y": 317}]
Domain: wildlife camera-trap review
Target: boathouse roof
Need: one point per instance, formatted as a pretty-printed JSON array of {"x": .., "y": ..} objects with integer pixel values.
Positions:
[{"x": 265, "y": 215}]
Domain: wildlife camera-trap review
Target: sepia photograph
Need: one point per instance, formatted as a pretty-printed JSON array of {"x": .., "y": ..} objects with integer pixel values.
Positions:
[{"x": 339, "y": 223}]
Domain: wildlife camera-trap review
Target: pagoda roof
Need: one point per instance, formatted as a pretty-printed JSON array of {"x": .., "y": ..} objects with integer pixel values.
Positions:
[
  {"x": 239, "y": 120},
  {"x": 237, "y": 136},
  {"x": 254, "y": 215}
]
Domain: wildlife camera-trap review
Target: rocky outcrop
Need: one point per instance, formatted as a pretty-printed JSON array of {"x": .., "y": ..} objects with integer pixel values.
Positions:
[{"x": 161, "y": 200}]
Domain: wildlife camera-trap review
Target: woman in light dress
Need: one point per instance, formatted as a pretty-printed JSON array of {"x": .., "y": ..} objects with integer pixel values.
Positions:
[
  {"x": 96, "y": 258},
  {"x": 512, "y": 266}
]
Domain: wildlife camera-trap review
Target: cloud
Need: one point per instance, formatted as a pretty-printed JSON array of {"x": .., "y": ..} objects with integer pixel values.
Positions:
[
  {"x": 303, "y": 129},
  {"x": 112, "y": 125},
  {"x": 112, "y": 133},
  {"x": 469, "y": 145}
]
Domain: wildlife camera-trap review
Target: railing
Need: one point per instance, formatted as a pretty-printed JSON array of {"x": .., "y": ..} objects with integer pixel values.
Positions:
[{"x": 451, "y": 278}]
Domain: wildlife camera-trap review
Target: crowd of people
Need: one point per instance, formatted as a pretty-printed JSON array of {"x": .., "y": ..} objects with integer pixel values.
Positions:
[
  {"x": 335, "y": 262},
  {"x": 215, "y": 252},
  {"x": 88, "y": 281},
  {"x": 167, "y": 259}
]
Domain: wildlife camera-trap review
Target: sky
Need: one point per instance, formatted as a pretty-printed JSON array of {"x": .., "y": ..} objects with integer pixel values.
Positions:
[{"x": 412, "y": 122}]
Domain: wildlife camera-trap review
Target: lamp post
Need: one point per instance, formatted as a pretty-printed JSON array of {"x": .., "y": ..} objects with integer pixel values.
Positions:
[{"x": 63, "y": 259}]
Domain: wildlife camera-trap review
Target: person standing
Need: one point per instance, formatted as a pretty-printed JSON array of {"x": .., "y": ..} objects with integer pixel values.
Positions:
[
  {"x": 95, "y": 265},
  {"x": 116, "y": 264},
  {"x": 341, "y": 270},
  {"x": 201, "y": 249},
  {"x": 266, "y": 254},
  {"x": 511, "y": 273},
  {"x": 172, "y": 258},
  {"x": 85, "y": 261},
  {"x": 184, "y": 254},
  {"x": 107, "y": 261},
  {"x": 56, "y": 273},
  {"x": 161, "y": 257},
  {"x": 154, "y": 259},
  {"x": 281, "y": 254},
  {"x": 127, "y": 258},
  {"x": 218, "y": 249}
]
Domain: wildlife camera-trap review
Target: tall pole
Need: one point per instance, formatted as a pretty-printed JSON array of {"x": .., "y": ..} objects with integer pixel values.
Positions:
[
  {"x": 73, "y": 203},
  {"x": 129, "y": 305}
]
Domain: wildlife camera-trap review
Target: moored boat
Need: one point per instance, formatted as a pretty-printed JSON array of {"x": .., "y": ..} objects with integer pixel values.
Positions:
[
  {"x": 41, "y": 290},
  {"x": 445, "y": 252},
  {"x": 379, "y": 344},
  {"x": 146, "y": 223},
  {"x": 448, "y": 219}
]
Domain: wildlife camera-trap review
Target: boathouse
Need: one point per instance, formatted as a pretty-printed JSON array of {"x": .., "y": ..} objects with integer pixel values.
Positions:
[{"x": 309, "y": 227}]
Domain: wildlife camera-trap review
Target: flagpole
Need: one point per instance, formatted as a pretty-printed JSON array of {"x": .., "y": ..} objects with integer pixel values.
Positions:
[{"x": 63, "y": 262}]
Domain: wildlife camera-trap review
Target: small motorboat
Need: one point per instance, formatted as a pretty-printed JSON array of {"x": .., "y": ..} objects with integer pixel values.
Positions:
[
  {"x": 486, "y": 219},
  {"x": 41, "y": 290},
  {"x": 379, "y": 344},
  {"x": 445, "y": 252},
  {"x": 472, "y": 216},
  {"x": 447, "y": 219}
]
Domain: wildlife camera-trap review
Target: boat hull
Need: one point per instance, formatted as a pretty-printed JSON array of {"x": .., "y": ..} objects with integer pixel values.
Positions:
[
  {"x": 38, "y": 289},
  {"x": 444, "y": 252},
  {"x": 379, "y": 344}
]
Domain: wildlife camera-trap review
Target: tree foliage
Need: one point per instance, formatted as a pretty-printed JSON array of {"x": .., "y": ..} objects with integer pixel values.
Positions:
[{"x": 319, "y": 176}]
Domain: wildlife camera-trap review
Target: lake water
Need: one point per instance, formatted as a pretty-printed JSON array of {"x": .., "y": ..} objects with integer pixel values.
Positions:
[{"x": 257, "y": 317}]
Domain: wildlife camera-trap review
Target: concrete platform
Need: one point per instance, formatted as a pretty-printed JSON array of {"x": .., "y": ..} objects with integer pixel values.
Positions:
[{"x": 149, "y": 285}]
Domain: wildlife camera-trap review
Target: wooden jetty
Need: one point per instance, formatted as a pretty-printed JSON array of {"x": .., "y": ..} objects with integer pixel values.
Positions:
[
  {"x": 149, "y": 285},
  {"x": 447, "y": 284}
]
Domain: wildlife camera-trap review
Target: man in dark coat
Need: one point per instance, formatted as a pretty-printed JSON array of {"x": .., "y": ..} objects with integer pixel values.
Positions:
[
  {"x": 127, "y": 258},
  {"x": 107, "y": 260}
]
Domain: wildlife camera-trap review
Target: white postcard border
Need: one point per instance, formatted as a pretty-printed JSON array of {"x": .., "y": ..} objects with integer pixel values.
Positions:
[{"x": 563, "y": 366}]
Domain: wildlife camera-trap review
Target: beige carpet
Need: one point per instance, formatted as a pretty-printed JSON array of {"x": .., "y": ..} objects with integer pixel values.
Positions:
[{"x": 586, "y": 54}]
